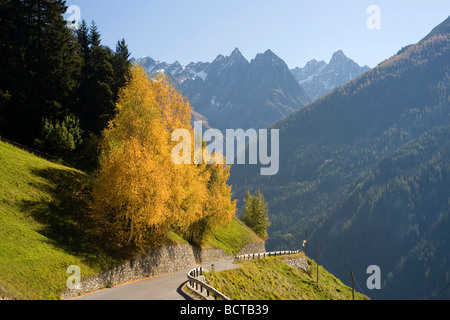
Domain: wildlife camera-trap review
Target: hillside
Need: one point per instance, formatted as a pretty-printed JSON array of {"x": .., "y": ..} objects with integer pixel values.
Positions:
[
  {"x": 40, "y": 208},
  {"x": 274, "y": 279},
  {"x": 401, "y": 211},
  {"x": 334, "y": 146},
  {"x": 45, "y": 227}
]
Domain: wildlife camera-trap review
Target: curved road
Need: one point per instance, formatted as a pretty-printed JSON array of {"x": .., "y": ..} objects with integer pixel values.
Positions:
[{"x": 166, "y": 287}]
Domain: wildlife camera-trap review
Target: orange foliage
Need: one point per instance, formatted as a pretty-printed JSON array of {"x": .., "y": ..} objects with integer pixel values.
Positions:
[{"x": 139, "y": 191}]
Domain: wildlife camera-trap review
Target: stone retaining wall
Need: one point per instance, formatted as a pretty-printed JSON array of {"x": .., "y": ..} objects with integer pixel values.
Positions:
[
  {"x": 164, "y": 260},
  {"x": 253, "y": 248},
  {"x": 300, "y": 263}
]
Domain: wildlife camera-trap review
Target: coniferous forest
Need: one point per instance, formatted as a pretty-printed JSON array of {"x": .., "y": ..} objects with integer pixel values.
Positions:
[{"x": 58, "y": 86}]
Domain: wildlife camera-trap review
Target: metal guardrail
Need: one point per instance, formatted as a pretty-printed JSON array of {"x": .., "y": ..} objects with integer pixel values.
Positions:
[
  {"x": 37, "y": 153},
  {"x": 252, "y": 256},
  {"x": 198, "y": 283}
]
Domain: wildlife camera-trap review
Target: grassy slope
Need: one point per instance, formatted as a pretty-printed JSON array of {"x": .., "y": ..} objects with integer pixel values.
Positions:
[
  {"x": 273, "y": 279},
  {"x": 42, "y": 227},
  {"x": 33, "y": 261},
  {"x": 232, "y": 238}
]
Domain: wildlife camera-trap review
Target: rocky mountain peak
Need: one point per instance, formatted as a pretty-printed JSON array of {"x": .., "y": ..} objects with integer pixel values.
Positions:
[
  {"x": 320, "y": 78},
  {"x": 338, "y": 55},
  {"x": 236, "y": 53}
]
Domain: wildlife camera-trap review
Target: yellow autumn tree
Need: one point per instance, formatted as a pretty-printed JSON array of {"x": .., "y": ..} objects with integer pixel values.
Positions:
[
  {"x": 140, "y": 193},
  {"x": 189, "y": 183},
  {"x": 134, "y": 182},
  {"x": 203, "y": 200},
  {"x": 218, "y": 209},
  {"x": 175, "y": 109}
]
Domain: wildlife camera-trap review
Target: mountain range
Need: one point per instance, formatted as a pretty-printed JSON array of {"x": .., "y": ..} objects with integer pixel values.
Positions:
[
  {"x": 318, "y": 78},
  {"x": 365, "y": 171},
  {"x": 232, "y": 92}
]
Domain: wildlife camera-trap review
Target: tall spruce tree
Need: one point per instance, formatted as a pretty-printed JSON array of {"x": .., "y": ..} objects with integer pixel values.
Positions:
[
  {"x": 103, "y": 73},
  {"x": 96, "y": 93},
  {"x": 121, "y": 66}
]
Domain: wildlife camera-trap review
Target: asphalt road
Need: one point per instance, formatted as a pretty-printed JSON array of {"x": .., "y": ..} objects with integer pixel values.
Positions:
[{"x": 167, "y": 287}]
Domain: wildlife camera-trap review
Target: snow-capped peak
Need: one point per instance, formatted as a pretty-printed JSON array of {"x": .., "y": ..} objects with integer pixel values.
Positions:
[{"x": 319, "y": 78}]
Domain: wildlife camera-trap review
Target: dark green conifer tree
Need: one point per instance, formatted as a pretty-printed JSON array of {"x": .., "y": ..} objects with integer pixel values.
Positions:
[
  {"x": 97, "y": 101},
  {"x": 255, "y": 214}
]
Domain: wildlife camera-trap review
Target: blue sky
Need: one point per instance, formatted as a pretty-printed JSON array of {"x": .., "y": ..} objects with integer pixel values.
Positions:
[{"x": 296, "y": 30}]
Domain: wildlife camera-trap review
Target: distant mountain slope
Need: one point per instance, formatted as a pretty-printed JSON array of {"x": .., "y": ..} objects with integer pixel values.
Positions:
[
  {"x": 231, "y": 92},
  {"x": 175, "y": 71},
  {"x": 333, "y": 146},
  {"x": 318, "y": 78},
  {"x": 397, "y": 217}
]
